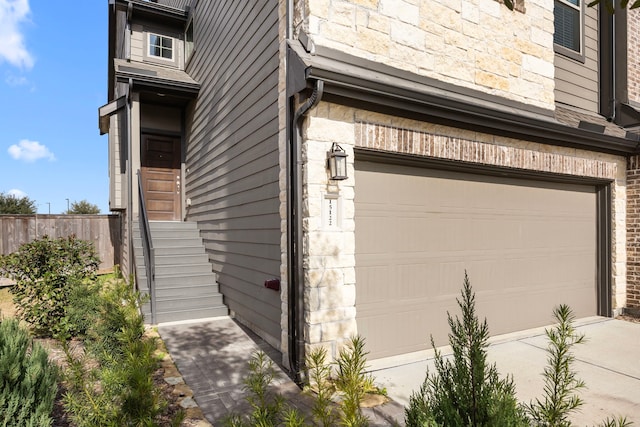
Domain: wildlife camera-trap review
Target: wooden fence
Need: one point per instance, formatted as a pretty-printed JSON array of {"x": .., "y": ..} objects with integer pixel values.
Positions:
[{"x": 102, "y": 230}]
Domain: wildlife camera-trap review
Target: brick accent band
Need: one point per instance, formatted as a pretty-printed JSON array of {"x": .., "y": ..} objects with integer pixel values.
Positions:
[{"x": 406, "y": 141}]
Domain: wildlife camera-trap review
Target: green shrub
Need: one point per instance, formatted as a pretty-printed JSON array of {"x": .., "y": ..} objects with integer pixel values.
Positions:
[
  {"x": 45, "y": 271},
  {"x": 119, "y": 391},
  {"x": 267, "y": 408},
  {"x": 353, "y": 382},
  {"x": 560, "y": 380},
  {"x": 321, "y": 387},
  {"x": 28, "y": 382},
  {"x": 465, "y": 392}
]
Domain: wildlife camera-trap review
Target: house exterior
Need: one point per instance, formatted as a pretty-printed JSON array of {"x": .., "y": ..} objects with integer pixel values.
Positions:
[{"x": 478, "y": 139}]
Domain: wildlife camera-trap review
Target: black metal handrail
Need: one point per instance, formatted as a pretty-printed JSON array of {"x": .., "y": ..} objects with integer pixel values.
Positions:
[{"x": 147, "y": 250}]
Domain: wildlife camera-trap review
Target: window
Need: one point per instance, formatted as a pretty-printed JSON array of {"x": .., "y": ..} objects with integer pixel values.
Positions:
[
  {"x": 568, "y": 25},
  {"x": 160, "y": 46},
  {"x": 188, "y": 41}
]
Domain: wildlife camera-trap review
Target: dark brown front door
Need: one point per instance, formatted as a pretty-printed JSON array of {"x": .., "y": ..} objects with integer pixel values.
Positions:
[{"x": 161, "y": 177}]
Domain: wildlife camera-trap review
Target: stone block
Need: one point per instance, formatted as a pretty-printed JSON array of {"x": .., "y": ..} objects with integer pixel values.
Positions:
[
  {"x": 379, "y": 23},
  {"x": 373, "y": 41},
  {"x": 338, "y": 330},
  {"x": 343, "y": 13},
  {"x": 407, "y": 35},
  {"x": 492, "y": 81}
]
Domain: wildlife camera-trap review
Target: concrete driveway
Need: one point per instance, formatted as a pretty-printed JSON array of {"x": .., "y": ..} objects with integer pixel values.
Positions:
[{"x": 609, "y": 363}]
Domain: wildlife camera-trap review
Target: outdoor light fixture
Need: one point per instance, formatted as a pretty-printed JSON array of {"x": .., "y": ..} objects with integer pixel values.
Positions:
[{"x": 337, "y": 163}]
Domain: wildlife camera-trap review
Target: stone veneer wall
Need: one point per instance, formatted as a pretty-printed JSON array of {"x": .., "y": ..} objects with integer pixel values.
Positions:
[
  {"x": 633, "y": 54},
  {"x": 480, "y": 44},
  {"x": 330, "y": 255},
  {"x": 633, "y": 233}
]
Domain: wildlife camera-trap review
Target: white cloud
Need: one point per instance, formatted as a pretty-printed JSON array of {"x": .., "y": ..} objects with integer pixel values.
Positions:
[
  {"x": 30, "y": 151},
  {"x": 18, "y": 194},
  {"x": 12, "y": 80},
  {"x": 12, "y": 46}
]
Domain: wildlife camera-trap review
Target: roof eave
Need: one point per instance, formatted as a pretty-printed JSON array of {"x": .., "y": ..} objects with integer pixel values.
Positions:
[
  {"x": 365, "y": 85},
  {"x": 170, "y": 87}
]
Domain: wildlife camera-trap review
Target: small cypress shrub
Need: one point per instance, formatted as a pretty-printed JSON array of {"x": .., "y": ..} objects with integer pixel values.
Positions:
[
  {"x": 465, "y": 392},
  {"x": 561, "y": 382},
  {"x": 353, "y": 382},
  {"x": 28, "y": 381}
]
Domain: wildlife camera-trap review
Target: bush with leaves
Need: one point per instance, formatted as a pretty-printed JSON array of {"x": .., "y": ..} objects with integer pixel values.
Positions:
[
  {"x": 468, "y": 391},
  {"x": 112, "y": 384},
  {"x": 45, "y": 271},
  {"x": 28, "y": 381}
]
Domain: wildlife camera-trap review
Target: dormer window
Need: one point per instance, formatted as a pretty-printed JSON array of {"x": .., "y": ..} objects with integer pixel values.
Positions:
[{"x": 160, "y": 46}]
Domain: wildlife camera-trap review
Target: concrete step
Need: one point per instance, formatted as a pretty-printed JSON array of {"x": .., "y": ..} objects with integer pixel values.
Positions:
[
  {"x": 182, "y": 259},
  {"x": 183, "y": 280},
  {"x": 168, "y": 233},
  {"x": 185, "y": 286},
  {"x": 175, "y": 242},
  {"x": 173, "y": 270},
  {"x": 177, "y": 259},
  {"x": 187, "y": 291},
  {"x": 203, "y": 313},
  {"x": 158, "y": 225},
  {"x": 173, "y": 304}
]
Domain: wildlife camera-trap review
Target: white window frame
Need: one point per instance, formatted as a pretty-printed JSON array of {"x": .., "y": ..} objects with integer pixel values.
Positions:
[
  {"x": 563, "y": 50},
  {"x": 161, "y": 58}
]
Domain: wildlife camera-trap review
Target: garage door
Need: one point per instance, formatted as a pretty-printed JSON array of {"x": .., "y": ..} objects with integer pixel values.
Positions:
[{"x": 526, "y": 245}]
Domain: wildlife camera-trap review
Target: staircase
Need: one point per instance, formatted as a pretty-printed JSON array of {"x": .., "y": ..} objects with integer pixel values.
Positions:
[{"x": 186, "y": 288}]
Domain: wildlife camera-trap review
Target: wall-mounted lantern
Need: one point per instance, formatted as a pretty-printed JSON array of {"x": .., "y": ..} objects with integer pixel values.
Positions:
[{"x": 337, "y": 163}]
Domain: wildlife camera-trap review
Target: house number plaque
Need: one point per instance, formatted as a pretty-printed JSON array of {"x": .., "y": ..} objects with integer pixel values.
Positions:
[{"x": 331, "y": 215}]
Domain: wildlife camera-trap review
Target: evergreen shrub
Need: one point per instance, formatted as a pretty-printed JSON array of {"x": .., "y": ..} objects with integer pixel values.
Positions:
[{"x": 28, "y": 381}]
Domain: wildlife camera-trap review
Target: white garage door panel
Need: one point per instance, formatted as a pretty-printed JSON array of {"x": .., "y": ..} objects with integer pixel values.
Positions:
[{"x": 527, "y": 247}]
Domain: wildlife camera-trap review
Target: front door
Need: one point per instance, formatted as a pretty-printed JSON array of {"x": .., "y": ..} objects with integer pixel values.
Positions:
[{"x": 160, "y": 173}]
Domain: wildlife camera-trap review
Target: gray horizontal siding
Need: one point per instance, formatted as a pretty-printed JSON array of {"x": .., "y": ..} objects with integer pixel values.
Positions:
[
  {"x": 232, "y": 153},
  {"x": 577, "y": 82}
]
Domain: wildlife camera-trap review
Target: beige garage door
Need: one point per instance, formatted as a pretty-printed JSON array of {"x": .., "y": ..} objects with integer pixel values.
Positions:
[{"x": 526, "y": 245}]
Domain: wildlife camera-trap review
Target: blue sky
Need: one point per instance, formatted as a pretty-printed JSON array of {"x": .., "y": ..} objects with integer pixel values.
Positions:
[{"x": 53, "y": 78}]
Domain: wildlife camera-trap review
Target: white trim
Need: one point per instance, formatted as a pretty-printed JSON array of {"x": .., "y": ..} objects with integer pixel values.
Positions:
[{"x": 162, "y": 58}]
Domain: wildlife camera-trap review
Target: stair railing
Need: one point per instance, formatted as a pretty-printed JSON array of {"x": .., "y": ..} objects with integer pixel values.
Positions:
[{"x": 147, "y": 250}]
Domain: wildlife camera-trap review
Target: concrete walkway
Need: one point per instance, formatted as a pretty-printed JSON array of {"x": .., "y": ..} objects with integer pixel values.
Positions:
[{"x": 213, "y": 359}]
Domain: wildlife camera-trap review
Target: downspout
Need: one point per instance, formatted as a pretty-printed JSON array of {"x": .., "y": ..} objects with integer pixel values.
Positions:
[
  {"x": 607, "y": 74},
  {"x": 129, "y": 179},
  {"x": 294, "y": 234},
  {"x": 127, "y": 33}
]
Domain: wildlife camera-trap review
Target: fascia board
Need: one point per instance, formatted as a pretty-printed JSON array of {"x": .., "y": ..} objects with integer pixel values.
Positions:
[{"x": 359, "y": 81}]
